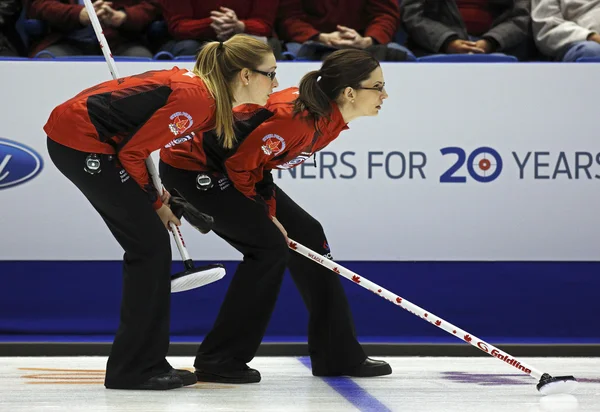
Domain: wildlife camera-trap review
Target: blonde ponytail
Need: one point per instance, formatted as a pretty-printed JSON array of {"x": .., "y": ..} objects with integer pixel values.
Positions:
[{"x": 217, "y": 65}]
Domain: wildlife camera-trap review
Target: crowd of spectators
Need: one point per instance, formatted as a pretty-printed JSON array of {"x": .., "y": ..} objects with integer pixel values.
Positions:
[{"x": 393, "y": 30}]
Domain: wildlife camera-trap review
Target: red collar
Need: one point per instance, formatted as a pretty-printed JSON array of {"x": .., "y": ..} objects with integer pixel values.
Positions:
[{"x": 335, "y": 124}]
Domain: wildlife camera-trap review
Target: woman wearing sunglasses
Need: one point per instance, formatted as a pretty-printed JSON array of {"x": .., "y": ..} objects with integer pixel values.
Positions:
[{"x": 233, "y": 183}]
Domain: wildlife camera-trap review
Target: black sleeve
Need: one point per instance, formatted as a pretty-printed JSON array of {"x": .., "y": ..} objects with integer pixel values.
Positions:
[{"x": 266, "y": 190}]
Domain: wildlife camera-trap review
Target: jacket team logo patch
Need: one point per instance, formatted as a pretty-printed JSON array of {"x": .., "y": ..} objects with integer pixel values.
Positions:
[
  {"x": 180, "y": 140},
  {"x": 294, "y": 162},
  {"x": 274, "y": 144},
  {"x": 180, "y": 122}
]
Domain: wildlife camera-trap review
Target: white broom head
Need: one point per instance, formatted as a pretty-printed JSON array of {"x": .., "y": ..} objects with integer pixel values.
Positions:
[
  {"x": 549, "y": 385},
  {"x": 192, "y": 280}
]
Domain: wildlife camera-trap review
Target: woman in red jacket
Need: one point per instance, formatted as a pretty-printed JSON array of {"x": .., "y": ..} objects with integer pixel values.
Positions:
[
  {"x": 100, "y": 139},
  {"x": 192, "y": 22},
  {"x": 251, "y": 213},
  {"x": 70, "y": 29}
]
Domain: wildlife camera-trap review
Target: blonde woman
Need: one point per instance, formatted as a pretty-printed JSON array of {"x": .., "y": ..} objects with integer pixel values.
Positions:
[{"x": 100, "y": 139}]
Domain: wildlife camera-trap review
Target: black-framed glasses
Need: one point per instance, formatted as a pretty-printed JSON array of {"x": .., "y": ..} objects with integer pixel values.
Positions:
[
  {"x": 378, "y": 88},
  {"x": 270, "y": 75}
]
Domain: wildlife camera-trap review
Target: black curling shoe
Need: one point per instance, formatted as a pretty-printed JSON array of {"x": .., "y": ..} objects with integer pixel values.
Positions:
[
  {"x": 162, "y": 382},
  {"x": 246, "y": 375},
  {"x": 371, "y": 367},
  {"x": 187, "y": 378},
  {"x": 366, "y": 369}
]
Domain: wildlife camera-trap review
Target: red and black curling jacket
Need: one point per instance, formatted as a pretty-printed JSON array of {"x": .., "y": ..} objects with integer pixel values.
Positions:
[{"x": 268, "y": 138}]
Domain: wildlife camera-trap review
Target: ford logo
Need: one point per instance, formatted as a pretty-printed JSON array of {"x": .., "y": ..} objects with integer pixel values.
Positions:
[{"x": 18, "y": 163}]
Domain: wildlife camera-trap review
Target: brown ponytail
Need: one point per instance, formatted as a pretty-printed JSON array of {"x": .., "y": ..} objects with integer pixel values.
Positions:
[
  {"x": 341, "y": 69},
  {"x": 217, "y": 64},
  {"x": 311, "y": 97}
]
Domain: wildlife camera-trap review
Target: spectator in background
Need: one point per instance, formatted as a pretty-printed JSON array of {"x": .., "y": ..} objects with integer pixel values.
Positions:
[
  {"x": 567, "y": 29},
  {"x": 315, "y": 28},
  {"x": 11, "y": 44},
  {"x": 193, "y": 22},
  {"x": 71, "y": 32},
  {"x": 468, "y": 26}
]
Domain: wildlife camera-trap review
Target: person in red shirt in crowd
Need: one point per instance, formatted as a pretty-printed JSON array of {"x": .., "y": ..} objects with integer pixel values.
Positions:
[
  {"x": 468, "y": 26},
  {"x": 71, "y": 33},
  {"x": 193, "y": 22},
  {"x": 234, "y": 184},
  {"x": 100, "y": 139},
  {"x": 359, "y": 24}
]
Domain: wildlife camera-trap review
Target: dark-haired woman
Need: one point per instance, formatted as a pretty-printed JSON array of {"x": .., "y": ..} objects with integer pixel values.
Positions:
[
  {"x": 117, "y": 124},
  {"x": 235, "y": 186}
]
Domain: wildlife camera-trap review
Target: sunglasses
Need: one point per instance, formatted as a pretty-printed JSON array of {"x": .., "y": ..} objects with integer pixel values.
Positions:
[{"x": 270, "y": 75}]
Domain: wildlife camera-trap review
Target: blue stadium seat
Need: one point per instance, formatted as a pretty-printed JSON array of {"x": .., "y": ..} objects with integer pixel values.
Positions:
[
  {"x": 286, "y": 55},
  {"x": 93, "y": 58},
  {"x": 21, "y": 29},
  {"x": 588, "y": 60},
  {"x": 186, "y": 58},
  {"x": 157, "y": 30},
  {"x": 163, "y": 55},
  {"x": 468, "y": 58},
  {"x": 400, "y": 36},
  {"x": 34, "y": 28},
  {"x": 30, "y": 30}
]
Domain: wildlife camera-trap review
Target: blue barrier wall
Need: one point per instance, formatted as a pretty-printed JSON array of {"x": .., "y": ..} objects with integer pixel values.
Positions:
[{"x": 502, "y": 302}]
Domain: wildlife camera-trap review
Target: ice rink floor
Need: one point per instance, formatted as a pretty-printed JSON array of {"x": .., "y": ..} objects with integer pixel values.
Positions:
[{"x": 417, "y": 384}]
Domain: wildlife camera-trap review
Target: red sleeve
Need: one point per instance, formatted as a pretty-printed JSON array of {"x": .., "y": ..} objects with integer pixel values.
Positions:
[
  {"x": 384, "y": 17},
  {"x": 187, "y": 109},
  {"x": 57, "y": 14},
  {"x": 140, "y": 15},
  {"x": 272, "y": 205},
  {"x": 261, "y": 19},
  {"x": 245, "y": 167},
  {"x": 178, "y": 15},
  {"x": 294, "y": 24}
]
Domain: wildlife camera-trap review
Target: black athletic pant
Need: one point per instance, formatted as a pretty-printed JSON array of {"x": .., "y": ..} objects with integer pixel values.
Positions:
[
  {"x": 250, "y": 299},
  {"x": 142, "y": 340}
]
